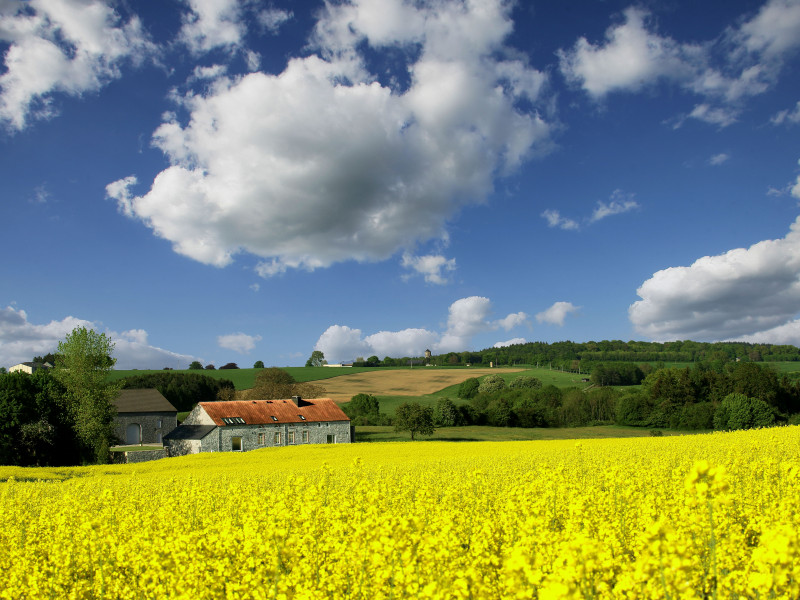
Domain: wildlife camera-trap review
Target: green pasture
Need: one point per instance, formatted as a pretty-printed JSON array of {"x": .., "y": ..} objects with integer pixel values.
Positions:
[{"x": 477, "y": 433}]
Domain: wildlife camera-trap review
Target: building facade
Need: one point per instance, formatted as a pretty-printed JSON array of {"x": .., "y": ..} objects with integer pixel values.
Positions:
[
  {"x": 143, "y": 417},
  {"x": 242, "y": 425}
]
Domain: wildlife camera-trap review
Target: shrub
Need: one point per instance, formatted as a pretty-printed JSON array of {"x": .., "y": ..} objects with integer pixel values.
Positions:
[
  {"x": 525, "y": 382},
  {"x": 468, "y": 388},
  {"x": 737, "y": 411},
  {"x": 491, "y": 383}
]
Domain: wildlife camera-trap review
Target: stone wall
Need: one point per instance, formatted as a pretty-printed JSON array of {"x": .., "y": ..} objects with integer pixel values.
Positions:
[
  {"x": 137, "y": 456},
  {"x": 154, "y": 426},
  {"x": 287, "y": 434}
]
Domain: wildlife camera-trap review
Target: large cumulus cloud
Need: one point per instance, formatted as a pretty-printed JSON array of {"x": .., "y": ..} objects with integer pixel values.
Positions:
[
  {"x": 326, "y": 162},
  {"x": 747, "y": 293}
]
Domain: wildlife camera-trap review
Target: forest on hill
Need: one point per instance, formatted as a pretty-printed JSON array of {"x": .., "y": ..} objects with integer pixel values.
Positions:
[{"x": 582, "y": 356}]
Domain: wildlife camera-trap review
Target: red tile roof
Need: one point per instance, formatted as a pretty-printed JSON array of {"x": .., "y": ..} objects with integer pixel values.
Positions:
[{"x": 260, "y": 412}]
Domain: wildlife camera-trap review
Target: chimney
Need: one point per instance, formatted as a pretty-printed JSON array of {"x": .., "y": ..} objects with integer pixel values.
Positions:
[{"x": 298, "y": 401}]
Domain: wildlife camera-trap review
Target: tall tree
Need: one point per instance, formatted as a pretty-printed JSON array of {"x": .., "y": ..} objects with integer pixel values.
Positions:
[
  {"x": 415, "y": 418},
  {"x": 83, "y": 363},
  {"x": 317, "y": 359}
]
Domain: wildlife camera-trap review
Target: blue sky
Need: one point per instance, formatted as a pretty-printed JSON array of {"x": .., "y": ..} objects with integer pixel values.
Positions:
[{"x": 233, "y": 181}]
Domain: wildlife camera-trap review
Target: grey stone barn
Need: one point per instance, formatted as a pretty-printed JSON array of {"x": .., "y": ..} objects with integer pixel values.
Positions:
[
  {"x": 241, "y": 425},
  {"x": 144, "y": 417}
]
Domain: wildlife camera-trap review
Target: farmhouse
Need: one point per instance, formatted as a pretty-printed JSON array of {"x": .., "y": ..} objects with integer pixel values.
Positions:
[
  {"x": 29, "y": 367},
  {"x": 144, "y": 416},
  {"x": 241, "y": 425}
]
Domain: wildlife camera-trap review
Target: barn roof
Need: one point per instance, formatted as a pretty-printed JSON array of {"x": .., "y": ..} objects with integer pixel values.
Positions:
[
  {"x": 142, "y": 401},
  {"x": 269, "y": 412},
  {"x": 190, "y": 432}
]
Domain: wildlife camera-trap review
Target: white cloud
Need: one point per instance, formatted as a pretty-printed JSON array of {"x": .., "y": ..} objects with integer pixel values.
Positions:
[
  {"x": 210, "y": 72},
  {"x": 431, "y": 267},
  {"x": 631, "y": 58},
  {"x": 740, "y": 63},
  {"x": 323, "y": 163},
  {"x": 719, "y": 159},
  {"x": 557, "y": 313},
  {"x": 21, "y": 340},
  {"x": 510, "y": 342},
  {"x": 61, "y": 46},
  {"x": 467, "y": 317},
  {"x": 620, "y": 203},
  {"x": 212, "y": 24},
  {"x": 273, "y": 18},
  {"x": 554, "y": 219},
  {"x": 513, "y": 320},
  {"x": 791, "y": 117},
  {"x": 238, "y": 342},
  {"x": 744, "y": 292}
]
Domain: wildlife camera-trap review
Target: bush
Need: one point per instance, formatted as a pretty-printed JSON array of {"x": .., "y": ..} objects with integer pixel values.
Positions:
[
  {"x": 526, "y": 383},
  {"x": 491, "y": 383},
  {"x": 229, "y": 366},
  {"x": 446, "y": 414},
  {"x": 468, "y": 388}
]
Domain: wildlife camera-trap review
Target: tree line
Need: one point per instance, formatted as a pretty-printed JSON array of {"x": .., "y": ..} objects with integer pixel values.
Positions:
[{"x": 583, "y": 356}]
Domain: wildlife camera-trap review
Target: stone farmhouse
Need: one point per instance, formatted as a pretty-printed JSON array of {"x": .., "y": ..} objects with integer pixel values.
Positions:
[
  {"x": 144, "y": 417},
  {"x": 241, "y": 425}
]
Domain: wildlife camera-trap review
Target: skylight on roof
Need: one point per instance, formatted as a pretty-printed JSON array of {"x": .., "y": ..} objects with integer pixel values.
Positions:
[
  {"x": 274, "y": 418},
  {"x": 233, "y": 421}
]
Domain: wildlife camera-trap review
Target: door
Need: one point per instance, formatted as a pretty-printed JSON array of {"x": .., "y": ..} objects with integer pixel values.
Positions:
[{"x": 133, "y": 434}]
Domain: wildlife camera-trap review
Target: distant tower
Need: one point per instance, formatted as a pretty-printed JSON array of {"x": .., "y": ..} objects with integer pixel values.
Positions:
[{"x": 427, "y": 357}]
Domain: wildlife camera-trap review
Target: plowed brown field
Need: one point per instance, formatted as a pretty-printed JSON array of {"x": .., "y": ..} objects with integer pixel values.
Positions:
[{"x": 399, "y": 382}]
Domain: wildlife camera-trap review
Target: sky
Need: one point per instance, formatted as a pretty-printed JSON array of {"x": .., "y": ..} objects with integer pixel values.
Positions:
[{"x": 235, "y": 180}]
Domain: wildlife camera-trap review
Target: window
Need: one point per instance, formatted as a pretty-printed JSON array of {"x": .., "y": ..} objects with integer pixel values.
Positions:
[
  {"x": 277, "y": 438},
  {"x": 159, "y": 424},
  {"x": 262, "y": 439},
  {"x": 331, "y": 439},
  {"x": 302, "y": 418},
  {"x": 305, "y": 436},
  {"x": 290, "y": 437},
  {"x": 233, "y": 420},
  {"x": 236, "y": 444},
  {"x": 274, "y": 418}
]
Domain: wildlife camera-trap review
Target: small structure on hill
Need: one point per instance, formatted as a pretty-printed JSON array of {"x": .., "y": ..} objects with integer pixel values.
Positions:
[
  {"x": 30, "y": 367},
  {"x": 241, "y": 425},
  {"x": 144, "y": 416}
]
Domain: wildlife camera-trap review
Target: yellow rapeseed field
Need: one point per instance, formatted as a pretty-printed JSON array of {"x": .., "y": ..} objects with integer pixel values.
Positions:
[{"x": 701, "y": 516}]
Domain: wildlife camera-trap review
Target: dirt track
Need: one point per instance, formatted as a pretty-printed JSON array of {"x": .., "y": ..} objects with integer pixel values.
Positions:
[{"x": 397, "y": 382}]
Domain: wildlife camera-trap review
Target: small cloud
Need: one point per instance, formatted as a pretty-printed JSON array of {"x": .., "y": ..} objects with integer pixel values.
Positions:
[
  {"x": 273, "y": 18},
  {"x": 238, "y": 342},
  {"x": 510, "y": 342},
  {"x": 719, "y": 159},
  {"x": 205, "y": 73},
  {"x": 790, "y": 117},
  {"x": 255, "y": 287},
  {"x": 40, "y": 195},
  {"x": 512, "y": 320},
  {"x": 714, "y": 116},
  {"x": 620, "y": 203},
  {"x": 253, "y": 60},
  {"x": 556, "y": 314},
  {"x": 554, "y": 219},
  {"x": 431, "y": 267}
]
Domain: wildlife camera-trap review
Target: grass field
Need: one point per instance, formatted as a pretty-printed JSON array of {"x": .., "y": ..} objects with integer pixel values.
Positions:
[{"x": 477, "y": 433}]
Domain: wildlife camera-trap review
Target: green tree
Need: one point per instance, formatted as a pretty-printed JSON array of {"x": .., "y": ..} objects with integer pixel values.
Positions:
[
  {"x": 83, "y": 364},
  {"x": 317, "y": 359},
  {"x": 737, "y": 411},
  {"x": 446, "y": 413},
  {"x": 415, "y": 418},
  {"x": 196, "y": 365},
  {"x": 259, "y": 364}
]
